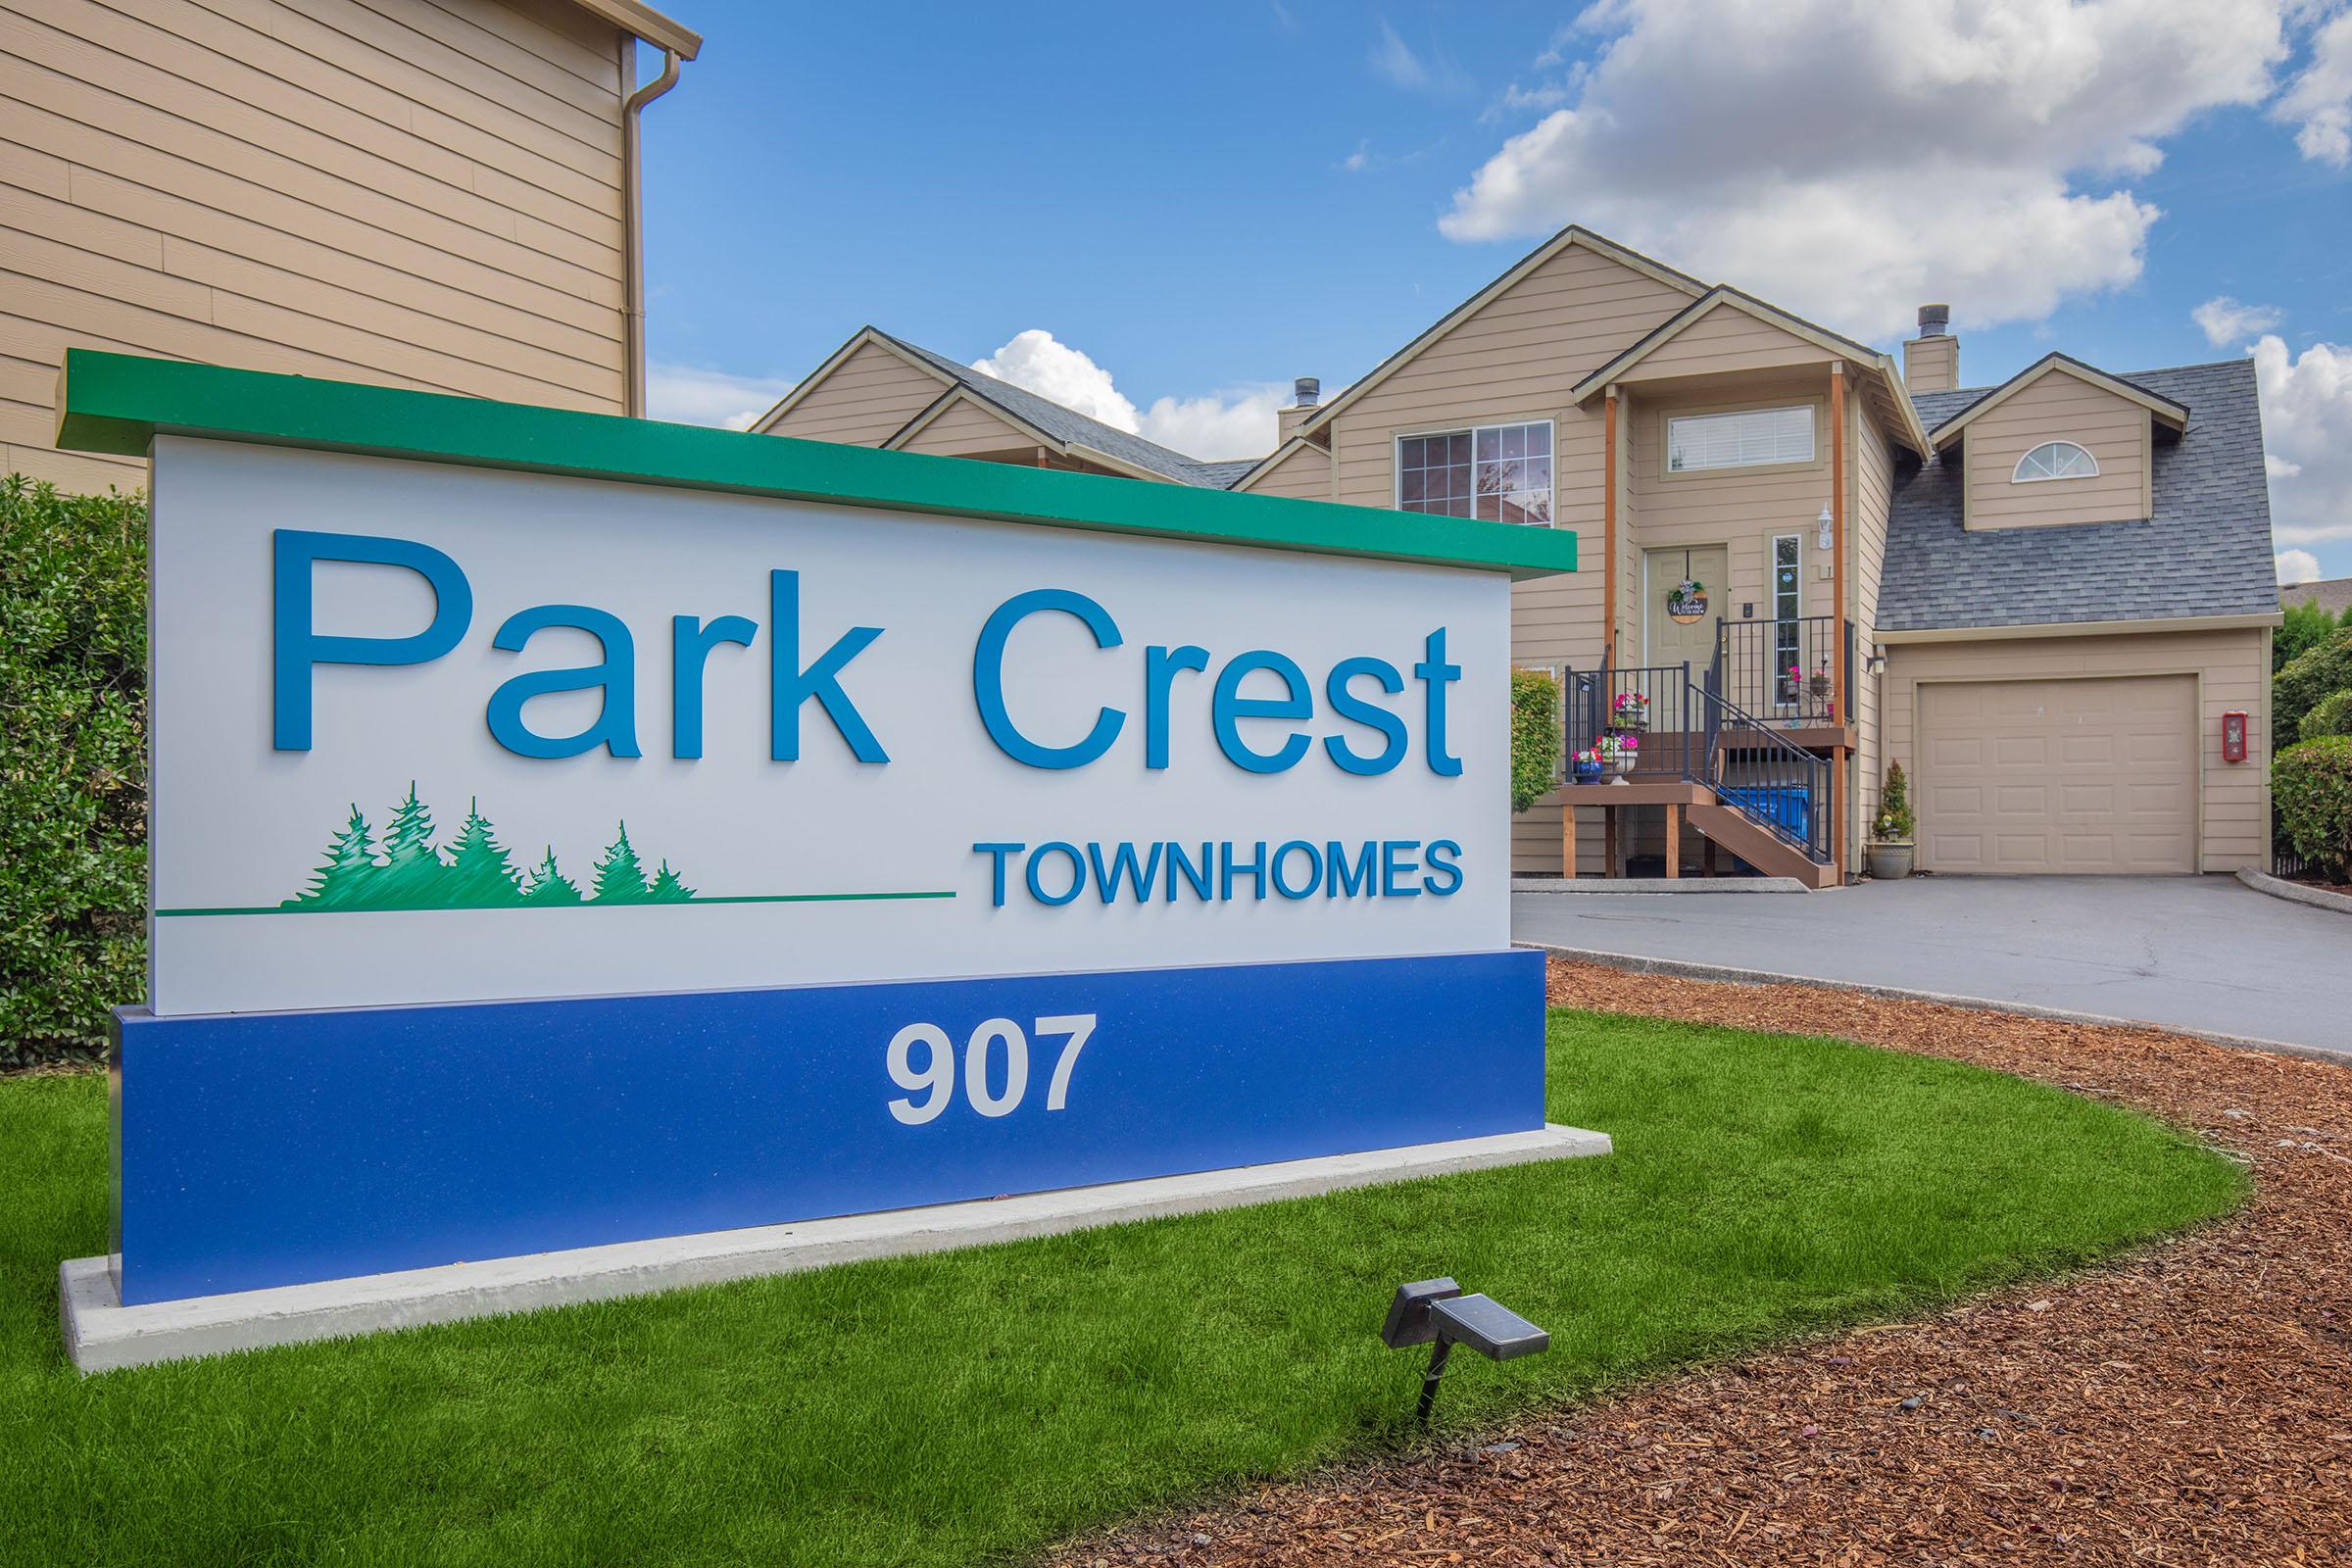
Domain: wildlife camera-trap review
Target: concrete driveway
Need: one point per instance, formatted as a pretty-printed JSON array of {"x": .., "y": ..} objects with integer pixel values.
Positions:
[{"x": 2204, "y": 954}]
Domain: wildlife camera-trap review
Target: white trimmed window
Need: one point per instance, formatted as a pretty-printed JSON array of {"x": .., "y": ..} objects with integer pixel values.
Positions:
[
  {"x": 1501, "y": 472},
  {"x": 1749, "y": 439},
  {"x": 2055, "y": 460}
]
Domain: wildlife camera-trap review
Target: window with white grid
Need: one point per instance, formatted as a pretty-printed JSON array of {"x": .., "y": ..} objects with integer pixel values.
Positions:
[{"x": 1501, "y": 472}]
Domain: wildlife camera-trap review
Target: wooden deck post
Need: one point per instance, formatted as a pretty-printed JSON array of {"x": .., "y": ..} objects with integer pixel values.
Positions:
[
  {"x": 1568, "y": 839},
  {"x": 1674, "y": 843},
  {"x": 1843, "y": 698},
  {"x": 1608, "y": 531},
  {"x": 1608, "y": 838}
]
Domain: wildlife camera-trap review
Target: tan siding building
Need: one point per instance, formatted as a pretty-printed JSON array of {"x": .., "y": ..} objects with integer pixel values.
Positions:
[
  {"x": 1872, "y": 577},
  {"x": 422, "y": 194}
]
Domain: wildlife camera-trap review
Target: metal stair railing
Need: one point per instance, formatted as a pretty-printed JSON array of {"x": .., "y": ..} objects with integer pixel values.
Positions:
[{"x": 1766, "y": 778}]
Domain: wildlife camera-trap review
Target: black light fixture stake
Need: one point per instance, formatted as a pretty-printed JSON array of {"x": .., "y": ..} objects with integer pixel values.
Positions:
[{"x": 1436, "y": 1312}]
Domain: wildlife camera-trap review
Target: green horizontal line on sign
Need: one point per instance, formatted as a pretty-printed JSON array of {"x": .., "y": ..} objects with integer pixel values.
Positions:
[
  {"x": 587, "y": 903},
  {"x": 118, "y": 403}
]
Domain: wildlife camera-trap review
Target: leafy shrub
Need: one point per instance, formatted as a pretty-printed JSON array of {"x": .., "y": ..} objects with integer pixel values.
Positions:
[
  {"x": 2332, "y": 715},
  {"x": 73, "y": 767},
  {"x": 1535, "y": 736},
  {"x": 2311, "y": 786},
  {"x": 1896, "y": 821},
  {"x": 2314, "y": 673},
  {"x": 2307, "y": 626}
]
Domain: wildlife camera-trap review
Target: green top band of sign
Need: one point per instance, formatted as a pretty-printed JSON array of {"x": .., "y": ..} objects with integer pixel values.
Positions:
[{"x": 117, "y": 402}]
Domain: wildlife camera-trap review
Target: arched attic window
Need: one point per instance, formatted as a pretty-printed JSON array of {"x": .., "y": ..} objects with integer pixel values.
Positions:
[{"x": 2055, "y": 460}]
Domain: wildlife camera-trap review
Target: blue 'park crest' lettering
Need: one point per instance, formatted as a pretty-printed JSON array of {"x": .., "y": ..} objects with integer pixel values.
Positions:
[{"x": 1261, "y": 706}]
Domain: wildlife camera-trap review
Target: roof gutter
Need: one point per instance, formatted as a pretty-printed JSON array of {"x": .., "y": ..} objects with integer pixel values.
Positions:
[
  {"x": 2080, "y": 628},
  {"x": 632, "y": 157}
]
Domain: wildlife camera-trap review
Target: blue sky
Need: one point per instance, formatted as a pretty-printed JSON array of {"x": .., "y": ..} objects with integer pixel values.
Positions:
[{"x": 1186, "y": 207}]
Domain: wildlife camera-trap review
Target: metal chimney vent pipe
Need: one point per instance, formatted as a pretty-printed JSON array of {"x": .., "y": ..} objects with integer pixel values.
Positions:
[
  {"x": 1934, "y": 320},
  {"x": 1307, "y": 391}
]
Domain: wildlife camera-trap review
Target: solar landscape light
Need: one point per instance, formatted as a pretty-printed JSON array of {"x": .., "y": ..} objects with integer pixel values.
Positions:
[{"x": 1436, "y": 1313}]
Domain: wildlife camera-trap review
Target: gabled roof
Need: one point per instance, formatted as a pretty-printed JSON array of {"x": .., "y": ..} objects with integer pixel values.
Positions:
[
  {"x": 1725, "y": 297},
  {"x": 1572, "y": 234},
  {"x": 2206, "y": 551},
  {"x": 1059, "y": 429},
  {"x": 2167, "y": 410},
  {"x": 1273, "y": 460}
]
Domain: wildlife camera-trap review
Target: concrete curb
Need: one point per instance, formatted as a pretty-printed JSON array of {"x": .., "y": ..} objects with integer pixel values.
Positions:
[
  {"x": 1685, "y": 970},
  {"x": 2294, "y": 892},
  {"x": 1658, "y": 884},
  {"x": 102, "y": 1334}
]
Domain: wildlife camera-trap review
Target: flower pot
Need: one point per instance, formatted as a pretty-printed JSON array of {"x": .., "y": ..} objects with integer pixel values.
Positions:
[
  {"x": 1624, "y": 764},
  {"x": 1818, "y": 685},
  {"x": 1633, "y": 719},
  {"x": 1587, "y": 772},
  {"x": 1889, "y": 861}
]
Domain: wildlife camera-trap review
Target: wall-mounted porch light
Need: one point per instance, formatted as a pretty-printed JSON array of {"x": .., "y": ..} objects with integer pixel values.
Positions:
[
  {"x": 1828, "y": 537},
  {"x": 1875, "y": 665}
]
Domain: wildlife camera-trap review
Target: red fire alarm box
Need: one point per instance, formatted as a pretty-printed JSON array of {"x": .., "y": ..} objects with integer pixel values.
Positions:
[{"x": 2233, "y": 737}]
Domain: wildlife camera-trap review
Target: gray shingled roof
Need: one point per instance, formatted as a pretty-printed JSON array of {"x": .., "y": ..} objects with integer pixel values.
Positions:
[
  {"x": 1068, "y": 424},
  {"x": 2207, "y": 551},
  {"x": 2333, "y": 594}
]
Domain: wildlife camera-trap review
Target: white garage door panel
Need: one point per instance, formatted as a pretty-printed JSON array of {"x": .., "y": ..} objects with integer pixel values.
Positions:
[{"x": 2059, "y": 776}]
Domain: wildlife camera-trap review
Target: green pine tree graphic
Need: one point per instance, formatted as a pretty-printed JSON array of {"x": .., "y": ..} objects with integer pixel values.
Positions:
[
  {"x": 414, "y": 872},
  {"x": 343, "y": 882},
  {"x": 666, "y": 888},
  {"x": 475, "y": 872},
  {"x": 621, "y": 875},
  {"x": 550, "y": 885},
  {"x": 480, "y": 875}
]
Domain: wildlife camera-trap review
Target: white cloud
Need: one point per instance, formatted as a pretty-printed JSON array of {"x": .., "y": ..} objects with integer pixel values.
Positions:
[
  {"x": 1052, "y": 368},
  {"x": 2307, "y": 428},
  {"x": 2319, "y": 101},
  {"x": 1237, "y": 421},
  {"x": 2296, "y": 565},
  {"x": 2223, "y": 319},
  {"x": 1394, "y": 58},
  {"x": 686, "y": 394},
  {"x": 1850, "y": 158}
]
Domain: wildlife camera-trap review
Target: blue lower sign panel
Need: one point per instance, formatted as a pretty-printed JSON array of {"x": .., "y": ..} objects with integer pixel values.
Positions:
[{"x": 260, "y": 1150}]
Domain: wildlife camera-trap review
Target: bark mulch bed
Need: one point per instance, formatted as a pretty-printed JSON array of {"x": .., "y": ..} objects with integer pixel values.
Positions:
[{"x": 2185, "y": 1407}]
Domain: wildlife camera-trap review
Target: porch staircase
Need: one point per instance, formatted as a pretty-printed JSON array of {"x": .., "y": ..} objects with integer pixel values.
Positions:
[{"x": 1743, "y": 782}]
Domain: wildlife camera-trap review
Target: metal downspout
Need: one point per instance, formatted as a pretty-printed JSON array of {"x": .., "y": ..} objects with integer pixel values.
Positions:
[{"x": 633, "y": 221}]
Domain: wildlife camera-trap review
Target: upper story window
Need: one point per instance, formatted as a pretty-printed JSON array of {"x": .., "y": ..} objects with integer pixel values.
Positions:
[
  {"x": 2055, "y": 460},
  {"x": 1501, "y": 472},
  {"x": 1748, "y": 439}
]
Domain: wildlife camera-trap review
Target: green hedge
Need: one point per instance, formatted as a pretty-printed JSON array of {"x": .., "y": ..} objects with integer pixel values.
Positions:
[
  {"x": 1535, "y": 736},
  {"x": 2331, "y": 716},
  {"x": 72, "y": 767},
  {"x": 2322, "y": 668},
  {"x": 2312, "y": 786}
]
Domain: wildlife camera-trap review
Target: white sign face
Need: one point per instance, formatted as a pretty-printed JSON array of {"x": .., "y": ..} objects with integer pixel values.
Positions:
[{"x": 544, "y": 737}]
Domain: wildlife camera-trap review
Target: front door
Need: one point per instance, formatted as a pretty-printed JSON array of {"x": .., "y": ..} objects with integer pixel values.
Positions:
[{"x": 1671, "y": 631}]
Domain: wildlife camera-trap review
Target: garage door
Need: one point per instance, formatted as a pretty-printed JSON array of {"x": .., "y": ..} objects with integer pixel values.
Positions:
[{"x": 2058, "y": 775}]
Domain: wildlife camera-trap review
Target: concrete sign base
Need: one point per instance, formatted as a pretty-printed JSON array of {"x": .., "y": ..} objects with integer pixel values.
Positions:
[{"x": 102, "y": 1334}]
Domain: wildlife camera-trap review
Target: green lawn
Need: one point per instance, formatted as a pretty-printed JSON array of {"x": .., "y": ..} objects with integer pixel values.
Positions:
[{"x": 938, "y": 1409}]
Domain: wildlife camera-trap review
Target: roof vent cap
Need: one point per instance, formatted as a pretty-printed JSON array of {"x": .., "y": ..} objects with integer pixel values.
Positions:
[
  {"x": 1307, "y": 391},
  {"x": 1934, "y": 320}
]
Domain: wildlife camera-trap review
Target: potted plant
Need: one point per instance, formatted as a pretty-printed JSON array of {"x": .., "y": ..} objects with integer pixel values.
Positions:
[
  {"x": 1630, "y": 710},
  {"x": 1819, "y": 684},
  {"x": 1587, "y": 768},
  {"x": 1889, "y": 851}
]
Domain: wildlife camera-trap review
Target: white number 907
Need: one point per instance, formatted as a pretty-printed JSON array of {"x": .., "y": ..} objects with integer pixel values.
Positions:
[{"x": 934, "y": 1078}]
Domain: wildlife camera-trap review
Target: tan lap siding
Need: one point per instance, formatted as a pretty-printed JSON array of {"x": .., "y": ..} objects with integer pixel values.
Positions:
[
  {"x": 1518, "y": 358},
  {"x": 965, "y": 428},
  {"x": 2233, "y": 672},
  {"x": 2114, "y": 431},
  {"x": 1304, "y": 475},
  {"x": 422, "y": 194},
  {"x": 1726, "y": 339},
  {"x": 863, "y": 402},
  {"x": 1870, "y": 507}
]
